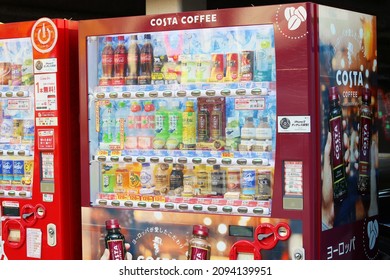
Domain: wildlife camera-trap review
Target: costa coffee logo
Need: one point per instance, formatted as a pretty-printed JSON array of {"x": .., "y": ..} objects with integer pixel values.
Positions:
[
  {"x": 170, "y": 21},
  {"x": 290, "y": 21}
]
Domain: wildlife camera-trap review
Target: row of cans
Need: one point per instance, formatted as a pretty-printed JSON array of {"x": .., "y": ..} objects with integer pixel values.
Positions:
[{"x": 16, "y": 171}]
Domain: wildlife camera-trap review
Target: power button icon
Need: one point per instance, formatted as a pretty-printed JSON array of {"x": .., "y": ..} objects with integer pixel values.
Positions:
[{"x": 44, "y": 35}]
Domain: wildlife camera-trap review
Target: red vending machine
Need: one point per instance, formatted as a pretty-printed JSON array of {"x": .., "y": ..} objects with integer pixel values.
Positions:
[
  {"x": 258, "y": 123},
  {"x": 39, "y": 140}
]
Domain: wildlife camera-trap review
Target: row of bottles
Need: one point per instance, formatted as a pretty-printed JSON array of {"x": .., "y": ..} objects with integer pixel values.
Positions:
[
  {"x": 153, "y": 61},
  {"x": 16, "y": 171},
  {"x": 184, "y": 124},
  {"x": 186, "y": 180}
]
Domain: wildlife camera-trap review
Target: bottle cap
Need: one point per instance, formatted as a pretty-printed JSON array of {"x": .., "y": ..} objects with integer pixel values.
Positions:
[
  {"x": 134, "y": 37},
  {"x": 112, "y": 223},
  {"x": 190, "y": 103},
  {"x": 108, "y": 39},
  {"x": 147, "y": 36},
  {"x": 121, "y": 38},
  {"x": 333, "y": 94},
  {"x": 366, "y": 95},
  {"x": 200, "y": 230}
]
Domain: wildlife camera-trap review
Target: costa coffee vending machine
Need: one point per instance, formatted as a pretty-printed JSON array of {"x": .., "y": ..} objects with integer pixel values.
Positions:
[
  {"x": 39, "y": 141},
  {"x": 257, "y": 123}
]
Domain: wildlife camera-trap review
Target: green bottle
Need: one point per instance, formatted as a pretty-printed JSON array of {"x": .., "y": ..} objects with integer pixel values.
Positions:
[
  {"x": 161, "y": 126},
  {"x": 175, "y": 126}
]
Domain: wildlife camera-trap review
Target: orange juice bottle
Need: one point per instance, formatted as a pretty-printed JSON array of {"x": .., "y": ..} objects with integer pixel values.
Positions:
[
  {"x": 122, "y": 178},
  {"x": 134, "y": 170}
]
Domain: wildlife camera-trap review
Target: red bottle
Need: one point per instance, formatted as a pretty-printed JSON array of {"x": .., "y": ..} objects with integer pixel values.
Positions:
[
  {"x": 199, "y": 248},
  {"x": 120, "y": 62},
  {"x": 115, "y": 240},
  {"x": 107, "y": 62},
  {"x": 146, "y": 61}
]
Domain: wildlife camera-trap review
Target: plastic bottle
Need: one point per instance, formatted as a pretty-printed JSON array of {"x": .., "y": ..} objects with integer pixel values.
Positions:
[
  {"x": 108, "y": 124},
  {"x": 365, "y": 144},
  {"x": 133, "y": 61},
  {"x": 189, "y": 181},
  {"x": 146, "y": 61},
  {"x": 159, "y": 58},
  {"x": 199, "y": 248},
  {"x": 189, "y": 127},
  {"x": 148, "y": 119},
  {"x": 176, "y": 177},
  {"x": 107, "y": 61},
  {"x": 115, "y": 240},
  {"x": 202, "y": 179},
  {"x": 146, "y": 179},
  {"x": 134, "y": 125},
  {"x": 161, "y": 126},
  {"x": 337, "y": 150},
  {"x": 216, "y": 123},
  {"x": 218, "y": 180},
  {"x": 120, "y": 62},
  {"x": 203, "y": 124},
  {"x": 121, "y": 127},
  {"x": 161, "y": 178},
  {"x": 122, "y": 178},
  {"x": 175, "y": 126}
]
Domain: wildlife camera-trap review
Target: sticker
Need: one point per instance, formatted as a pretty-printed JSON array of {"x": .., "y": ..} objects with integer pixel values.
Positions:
[
  {"x": 34, "y": 242},
  {"x": 46, "y": 121},
  {"x": 47, "y": 166},
  {"x": 44, "y": 35},
  {"x": 293, "y": 177},
  {"x": 47, "y": 197},
  {"x": 45, "y": 92},
  {"x": 18, "y": 104},
  {"x": 249, "y": 103},
  {"x": 47, "y": 65},
  {"x": 46, "y": 139},
  {"x": 294, "y": 124}
]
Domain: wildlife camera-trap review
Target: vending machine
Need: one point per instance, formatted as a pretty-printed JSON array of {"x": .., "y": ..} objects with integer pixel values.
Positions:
[
  {"x": 39, "y": 141},
  {"x": 257, "y": 123}
]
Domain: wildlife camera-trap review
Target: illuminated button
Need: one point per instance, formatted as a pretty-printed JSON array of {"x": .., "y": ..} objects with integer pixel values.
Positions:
[
  {"x": 195, "y": 93},
  {"x": 212, "y": 208},
  {"x": 169, "y": 206},
  {"x": 141, "y": 204},
  {"x": 258, "y": 210},
  {"x": 183, "y": 206},
  {"x": 198, "y": 207},
  {"x": 167, "y": 93},
  {"x": 115, "y": 203},
  {"x": 113, "y": 95},
  {"x": 102, "y": 202},
  {"x": 242, "y": 210},
  {"x": 153, "y": 94},
  {"x": 101, "y": 158},
  {"x": 181, "y": 93},
  {"x": 140, "y": 94},
  {"x": 225, "y": 92},
  {"x": 155, "y": 205},
  {"x": 127, "y": 159},
  {"x": 128, "y": 203},
  {"x": 210, "y": 92},
  {"x": 227, "y": 209}
]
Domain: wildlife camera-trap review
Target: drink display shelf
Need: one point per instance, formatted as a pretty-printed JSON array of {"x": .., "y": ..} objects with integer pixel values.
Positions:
[
  {"x": 196, "y": 90},
  {"x": 185, "y": 204},
  {"x": 17, "y": 191},
  {"x": 185, "y": 160}
]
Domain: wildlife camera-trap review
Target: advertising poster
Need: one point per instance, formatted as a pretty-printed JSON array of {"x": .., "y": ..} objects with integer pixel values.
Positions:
[{"x": 349, "y": 134}]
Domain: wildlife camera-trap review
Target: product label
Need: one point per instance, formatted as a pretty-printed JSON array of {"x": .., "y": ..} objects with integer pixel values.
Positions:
[
  {"x": 198, "y": 253},
  {"x": 116, "y": 249}
]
